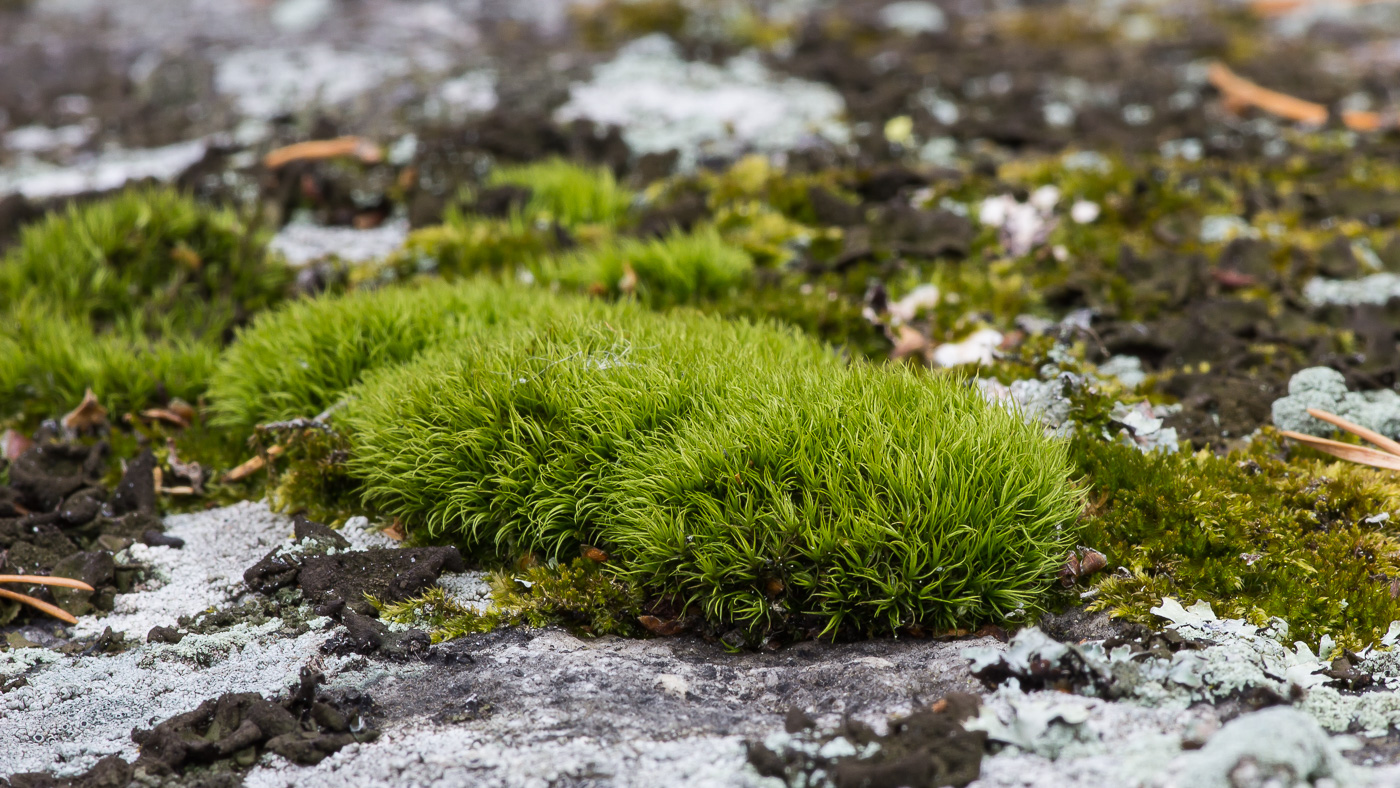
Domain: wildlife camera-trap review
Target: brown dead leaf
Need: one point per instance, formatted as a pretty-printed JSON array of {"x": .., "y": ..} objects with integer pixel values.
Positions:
[
  {"x": 593, "y": 554},
  {"x": 628, "y": 283},
  {"x": 395, "y": 531},
  {"x": 662, "y": 627},
  {"x": 166, "y": 415},
  {"x": 910, "y": 342},
  {"x": 14, "y": 443},
  {"x": 1091, "y": 561},
  {"x": 89, "y": 415}
]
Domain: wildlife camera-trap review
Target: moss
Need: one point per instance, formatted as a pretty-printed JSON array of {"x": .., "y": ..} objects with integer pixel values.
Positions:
[
  {"x": 463, "y": 246},
  {"x": 607, "y": 24},
  {"x": 130, "y": 296},
  {"x": 737, "y": 467},
  {"x": 1256, "y": 533},
  {"x": 148, "y": 258},
  {"x": 580, "y": 596},
  {"x": 680, "y": 268},
  {"x": 567, "y": 193},
  {"x": 48, "y": 360},
  {"x": 297, "y": 361}
]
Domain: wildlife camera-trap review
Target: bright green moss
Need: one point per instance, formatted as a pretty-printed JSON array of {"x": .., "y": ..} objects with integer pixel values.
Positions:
[
  {"x": 130, "y": 296},
  {"x": 299, "y": 360},
  {"x": 48, "y": 360},
  {"x": 1251, "y": 533},
  {"x": 148, "y": 257},
  {"x": 568, "y": 193},
  {"x": 680, "y": 268},
  {"x": 737, "y": 467},
  {"x": 464, "y": 246}
]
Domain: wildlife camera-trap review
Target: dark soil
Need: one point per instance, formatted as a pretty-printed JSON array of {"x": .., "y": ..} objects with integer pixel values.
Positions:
[{"x": 56, "y": 518}]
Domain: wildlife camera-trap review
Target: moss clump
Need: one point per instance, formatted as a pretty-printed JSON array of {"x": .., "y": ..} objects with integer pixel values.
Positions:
[
  {"x": 297, "y": 361},
  {"x": 149, "y": 258},
  {"x": 739, "y": 468},
  {"x": 130, "y": 296},
  {"x": 580, "y": 596},
  {"x": 680, "y": 268},
  {"x": 464, "y": 246},
  {"x": 1251, "y": 533},
  {"x": 47, "y": 361},
  {"x": 567, "y": 193}
]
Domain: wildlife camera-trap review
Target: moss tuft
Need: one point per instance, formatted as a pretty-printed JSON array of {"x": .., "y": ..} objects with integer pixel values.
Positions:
[
  {"x": 149, "y": 258},
  {"x": 680, "y": 268},
  {"x": 567, "y": 193},
  {"x": 297, "y": 361},
  {"x": 130, "y": 296},
  {"x": 737, "y": 467}
]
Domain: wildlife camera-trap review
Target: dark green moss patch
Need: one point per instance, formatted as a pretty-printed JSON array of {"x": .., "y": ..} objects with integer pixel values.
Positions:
[
  {"x": 580, "y": 596},
  {"x": 1256, "y": 533}
]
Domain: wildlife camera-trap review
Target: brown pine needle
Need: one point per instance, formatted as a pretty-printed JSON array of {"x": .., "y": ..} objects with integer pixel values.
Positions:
[
  {"x": 1240, "y": 93},
  {"x": 1370, "y": 436},
  {"x": 1239, "y": 90},
  {"x": 47, "y": 580},
  {"x": 39, "y": 604},
  {"x": 1346, "y": 451},
  {"x": 358, "y": 147},
  {"x": 1271, "y": 8}
]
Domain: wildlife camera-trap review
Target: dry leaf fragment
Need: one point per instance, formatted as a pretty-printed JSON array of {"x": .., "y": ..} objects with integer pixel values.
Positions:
[
  {"x": 910, "y": 342},
  {"x": 1082, "y": 563},
  {"x": 89, "y": 415},
  {"x": 395, "y": 531},
  {"x": 358, "y": 147},
  {"x": 662, "y": 627},
  {"x": 14, "y": 443},
  {"x": 166, "y": 415}
]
